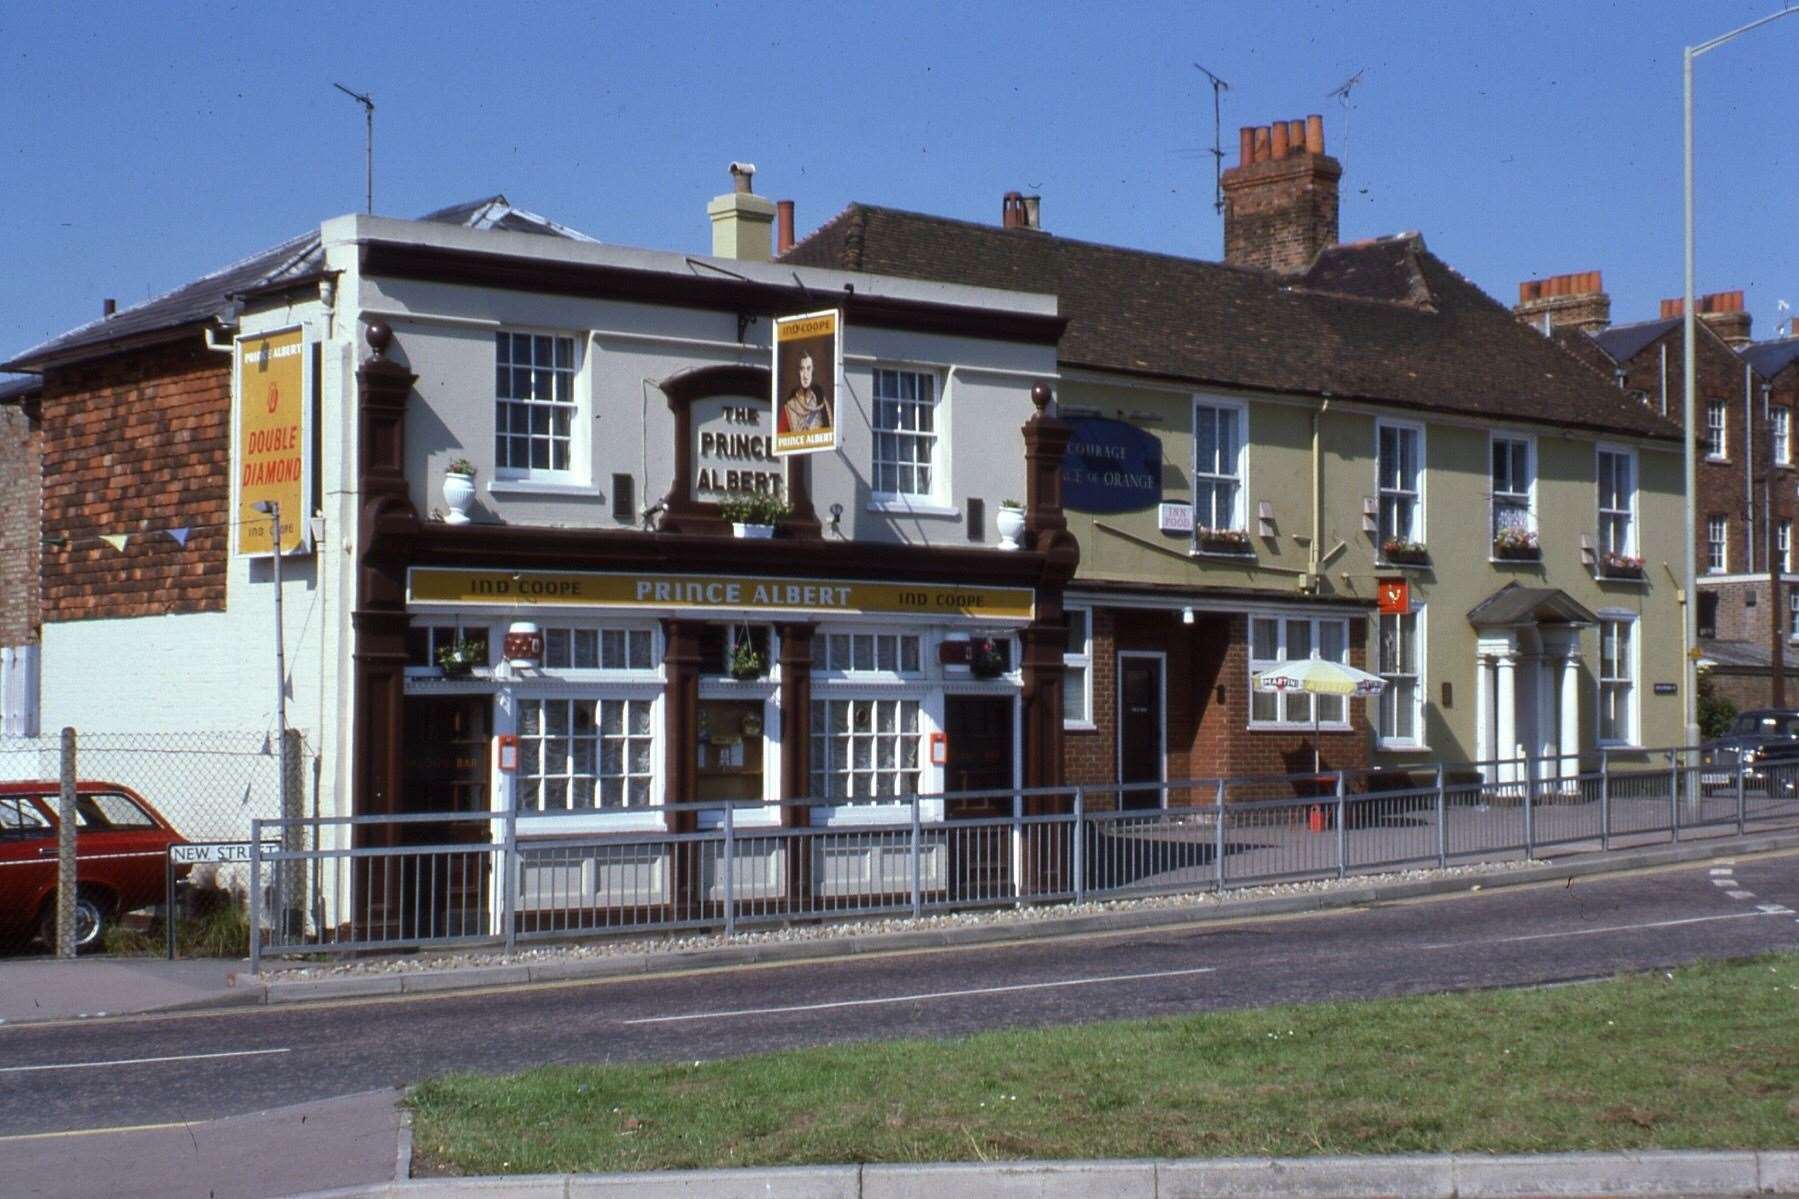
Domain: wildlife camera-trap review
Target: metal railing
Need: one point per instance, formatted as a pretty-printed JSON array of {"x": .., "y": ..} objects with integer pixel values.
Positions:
[{"x": 505, "y": 878}]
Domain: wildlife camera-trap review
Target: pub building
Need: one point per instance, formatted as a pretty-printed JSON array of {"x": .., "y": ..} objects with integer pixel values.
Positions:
[{"x": 589, "y": 658}]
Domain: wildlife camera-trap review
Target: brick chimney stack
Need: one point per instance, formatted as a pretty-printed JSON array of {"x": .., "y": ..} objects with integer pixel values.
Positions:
[
  {"x": 1280, "y": 200},
  {"x": 1565, "y": 301},
  {"x": 1722, "y": 310}
]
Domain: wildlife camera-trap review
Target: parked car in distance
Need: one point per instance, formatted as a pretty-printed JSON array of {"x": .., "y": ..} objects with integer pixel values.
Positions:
[
  {"x": 121, "y": 854},
  {"x": 1766, "y": 741}
]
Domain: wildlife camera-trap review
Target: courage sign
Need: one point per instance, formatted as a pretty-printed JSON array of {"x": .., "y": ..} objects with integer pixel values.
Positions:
[{"x": 1111, "y": 466}]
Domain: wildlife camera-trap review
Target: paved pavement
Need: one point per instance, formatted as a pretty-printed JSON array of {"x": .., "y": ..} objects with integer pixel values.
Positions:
[
  {"x": 34, "y": 989},
  {"x": 353, "y": 1140},
  {"x": 198, "y": 1065}
]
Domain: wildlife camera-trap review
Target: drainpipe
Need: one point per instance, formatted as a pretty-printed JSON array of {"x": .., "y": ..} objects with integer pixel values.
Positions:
[
  {"x": 1664, "y": 378},
  {"x": 1748, "y": 459},
  {"x": 1315, "y": 559}
]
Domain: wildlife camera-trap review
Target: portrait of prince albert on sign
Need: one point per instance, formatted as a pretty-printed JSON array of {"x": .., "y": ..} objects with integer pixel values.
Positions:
[{"x": 806, "y": 370}]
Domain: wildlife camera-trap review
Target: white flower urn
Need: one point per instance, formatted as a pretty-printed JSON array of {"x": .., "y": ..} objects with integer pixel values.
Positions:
[
  {"x": 459, "y": 495},
  {"x": 1010, "y": 522}
]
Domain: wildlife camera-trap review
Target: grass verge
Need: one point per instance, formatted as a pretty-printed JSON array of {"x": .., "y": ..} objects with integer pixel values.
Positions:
[{"x": 1706, "y": 1057}]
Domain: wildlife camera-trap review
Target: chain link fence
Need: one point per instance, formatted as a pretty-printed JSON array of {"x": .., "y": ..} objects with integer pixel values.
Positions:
[{"x": 134, "y": 795}]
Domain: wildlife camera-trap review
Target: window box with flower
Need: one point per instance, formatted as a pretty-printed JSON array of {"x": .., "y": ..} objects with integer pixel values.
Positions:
[
  {"x": 1514, "y": 544},
  {"x": 1221, "y": 541},
  {"x": 1620, "y": 566},
  {"x": 753, "y": 513},
  {"x": 1399, "y": 551}
]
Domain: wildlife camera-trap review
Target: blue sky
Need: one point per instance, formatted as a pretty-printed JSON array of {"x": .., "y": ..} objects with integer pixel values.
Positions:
[{"x": 144, "y": 144}]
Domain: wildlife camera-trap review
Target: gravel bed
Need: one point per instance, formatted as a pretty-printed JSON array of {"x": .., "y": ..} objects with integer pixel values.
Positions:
[{"x": 839, "y": 929}]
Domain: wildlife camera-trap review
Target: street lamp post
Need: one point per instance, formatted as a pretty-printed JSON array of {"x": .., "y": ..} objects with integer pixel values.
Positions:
[{"x": 1689, "y": 337}]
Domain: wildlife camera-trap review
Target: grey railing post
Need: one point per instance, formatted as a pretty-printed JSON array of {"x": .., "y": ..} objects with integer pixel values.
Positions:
[
  {"x": 67, "y": 869},
  {"x": 1530, "y": 831},
  {"x": 255, "y": 896},
  {"x": 1342, "y": 830},
  {"x": 1741, "y": 827},
  {"x": 514, "y": 869},
  {"x": 1605, "y": 800},
  {"x": 1674, "y": 795},
  {"x": 1218, "y": 837},
  {"x": 730, "y": 869},
  {"x": 1080, "y": 845},
  {"x": 1442, "y": 819},
  {"x": 917, "y": 863}
]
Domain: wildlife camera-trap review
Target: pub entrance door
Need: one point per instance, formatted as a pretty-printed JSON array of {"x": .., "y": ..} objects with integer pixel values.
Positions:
[
  {"x": 979, "y": 729},
  {"x": 448, "y": 739},
  {"x": 1141, "y": 756}
]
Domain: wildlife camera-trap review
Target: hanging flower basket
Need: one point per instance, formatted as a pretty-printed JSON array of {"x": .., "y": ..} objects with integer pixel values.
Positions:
[
  {"x": 746, "y": 663},
  {"x": 460, "y": 657},
  {"x": 986, "y": 660},
  {"x": 1405, "y": 553}
]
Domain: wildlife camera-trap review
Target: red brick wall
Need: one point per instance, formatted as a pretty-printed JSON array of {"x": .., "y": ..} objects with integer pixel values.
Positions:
[
  {"x": 21, "y": 444},
  {"x": 137, "y": 444},
  {"x": 1279, "y": 213},
  {"x": 1207, "y": 684},
  {"x": 1720, "y": 486}
]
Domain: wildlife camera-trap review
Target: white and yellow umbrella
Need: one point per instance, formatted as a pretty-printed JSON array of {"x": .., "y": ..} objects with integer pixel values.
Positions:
[{"x": 1316, "y": 676}]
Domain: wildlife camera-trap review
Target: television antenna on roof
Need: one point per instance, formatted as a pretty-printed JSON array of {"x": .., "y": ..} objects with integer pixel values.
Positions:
[
  {"x": 1219, "y": 87},
  {"x": 1341, "y": 94},
  {"x": 368, "y": 111}
]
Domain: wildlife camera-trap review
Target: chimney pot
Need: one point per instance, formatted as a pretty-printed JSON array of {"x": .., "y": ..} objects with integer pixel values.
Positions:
[
  {"x": 741, "y": 174},
  {"x": 1315, "y": 134},
  {"x": 1032, "y": 209},
  {"x": 1262, "y": 143},
  {"x": 1278, "y": 138},
  {"x": 1576, "y": 300},
  {"x": 108, "y": 306},
  {"x": 1246, "y": 145},
  {"x": 783, "y": 225},
  {"x": 1296, "y": 136}
]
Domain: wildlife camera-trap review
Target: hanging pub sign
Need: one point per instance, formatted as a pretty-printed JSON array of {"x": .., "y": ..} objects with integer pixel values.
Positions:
[
  {"x": 272, "y": 457},
  {"x": 808, "y": 373},
  {"x": 523, "y": 645},
  {"x": 1395, "y": 597},
  {"x": 1111, "y": 466}
]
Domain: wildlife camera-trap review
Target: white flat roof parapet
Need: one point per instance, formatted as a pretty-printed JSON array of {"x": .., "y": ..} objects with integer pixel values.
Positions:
[{"x": 826, "y": 284}]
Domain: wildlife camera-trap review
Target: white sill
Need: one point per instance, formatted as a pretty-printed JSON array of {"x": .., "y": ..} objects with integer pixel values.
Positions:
[
  {"x": 539, "y": 487},
  {"x": 1624, "y": 745},
  {"x": 1401, "y": 747},
  {"x": 1297, "y": 728},
  {"x": 1079, "y": 726},
  {"x": 1243, "y": 555},
  {"x": 901, "y": 506}
]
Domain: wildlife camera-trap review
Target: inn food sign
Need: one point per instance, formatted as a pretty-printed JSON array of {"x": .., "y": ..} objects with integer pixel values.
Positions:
[{"x": 1111, "y": 466}]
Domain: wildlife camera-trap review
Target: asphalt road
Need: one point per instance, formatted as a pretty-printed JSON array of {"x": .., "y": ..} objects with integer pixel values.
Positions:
[{"x": 218, "y": 1064}]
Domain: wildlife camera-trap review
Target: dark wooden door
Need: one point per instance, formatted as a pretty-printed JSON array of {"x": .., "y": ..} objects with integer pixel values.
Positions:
[
  {"x": 980, "y": 754},
  {"x": 1140, "y": 729},
  {"x": 448, "y": 747}
]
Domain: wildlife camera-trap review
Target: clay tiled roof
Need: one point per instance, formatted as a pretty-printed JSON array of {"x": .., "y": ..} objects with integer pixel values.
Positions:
[{"x": 1384, "y": 320}]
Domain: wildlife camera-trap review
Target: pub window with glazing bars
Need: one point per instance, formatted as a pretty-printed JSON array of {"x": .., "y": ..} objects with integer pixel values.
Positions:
[
  {"x": 905, "y": 430},
  {"x": 1617, "y": 503},
  {"x": 1275, "y": 639},
  {"x": 865, "y": 748},
  {"x": 1217, "y": 466},
  {"x": 1511, "y": 485},
  {"x": 1401, "y": 455},
  {"x": 585, "y": 754}
]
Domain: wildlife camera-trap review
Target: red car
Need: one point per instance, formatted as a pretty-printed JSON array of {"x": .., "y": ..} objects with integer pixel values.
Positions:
[{"x": 121, "y": 851}]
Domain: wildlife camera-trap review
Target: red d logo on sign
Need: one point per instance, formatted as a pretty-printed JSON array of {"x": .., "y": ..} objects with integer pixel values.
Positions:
[{"x": 274, "y": 400}]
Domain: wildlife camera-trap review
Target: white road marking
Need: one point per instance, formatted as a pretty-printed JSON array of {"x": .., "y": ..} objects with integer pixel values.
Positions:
[
  {"x": 843, "y": 1003},
  {"x": 1722, "y": 870},
  {"x": 1741, "y": 894},
  {"x": 1588, "y": 932},
  {"x": 1724, "y": 882},
  {"x": 1774, "y": 909},
  {"x": 141, "y": 1061}
]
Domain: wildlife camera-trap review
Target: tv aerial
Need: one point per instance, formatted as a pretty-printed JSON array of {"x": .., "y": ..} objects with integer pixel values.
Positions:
[{"x": 1219, "y": 87}]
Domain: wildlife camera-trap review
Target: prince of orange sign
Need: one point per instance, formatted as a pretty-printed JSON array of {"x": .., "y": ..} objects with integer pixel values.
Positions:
[
  {"x": 272, "y": 446},
  {"x": 808, "y": 368}
]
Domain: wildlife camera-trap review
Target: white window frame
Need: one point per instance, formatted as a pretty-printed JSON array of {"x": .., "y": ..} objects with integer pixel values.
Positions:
[
  {"x": 1783, "y": 545},
  {"x": 1792, "y": 614},
  {"x": 580, "y": 456},
  {"x": 430, "y": 622},
  {"x": 599, "y": 628},
  {"x": 1239, "y": 472},
  {"x": 1630, "y": 513},
  {"x": 1081, "y": 659},
  {"x": 1780, "y": 428},
  {"x": 559, "y": 820},
  {"x": 1416, "y": 493},
  {"x": 1633, "y": 713},
  {"x": 1717, "y": 545},
  {"x": 1282, "y": 652},
  {"x": 1528, "y": 495},
  {"x": 935, "y": 501},
  {"x": 822, "y": 653},
  {"x": 1417, "y": 675},
  {"x": 1717, "y": 431}
]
